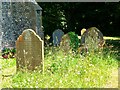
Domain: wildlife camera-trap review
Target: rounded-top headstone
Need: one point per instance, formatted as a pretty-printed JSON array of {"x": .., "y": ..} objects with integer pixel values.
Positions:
[
  {"x": 69, "y": 42},
  {"x": 65, "y": 43},
  {"x": 92, "y": 39},
  {"x": 29, "y": 50},
  {"x": 57, "y": 35}
]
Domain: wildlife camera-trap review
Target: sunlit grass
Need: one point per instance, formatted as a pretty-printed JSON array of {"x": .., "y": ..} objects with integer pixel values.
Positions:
[
  {"x": 64, "y": 71},
  {"x": 0, "y": 74},
  {"x": 7, "y": 63},
  {"x": 94, "y": 70},
  {"x": 107, "y": 38},
  {"x": 111, "y": 38}
]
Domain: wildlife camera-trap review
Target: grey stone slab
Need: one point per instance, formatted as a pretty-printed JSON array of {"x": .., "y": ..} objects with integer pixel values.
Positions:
[
  {"x": 18, "y": 16},
  {"x": 57, "y": 35}
]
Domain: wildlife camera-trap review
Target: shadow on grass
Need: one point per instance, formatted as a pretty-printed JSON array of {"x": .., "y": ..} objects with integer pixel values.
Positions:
[{"x": 115, "y": 47}]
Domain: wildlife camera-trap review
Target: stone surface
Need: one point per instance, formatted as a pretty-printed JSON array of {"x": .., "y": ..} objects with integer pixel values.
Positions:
[
  {"x": 1, "y": 40},
  {"x": 18, "y": 16},
  {"x": 65, "y": 43},
  {"x": 29, "y": 50},
  {"x": 0, "y": 26},
  {"x": 69, "y": 42},
  {"x": 92, "y": 39},
  {"x": 57, "y": 35}
]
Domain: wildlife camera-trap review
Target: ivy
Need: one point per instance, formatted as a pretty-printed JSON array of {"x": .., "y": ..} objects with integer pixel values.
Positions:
[{"x": 74, "y": 41}]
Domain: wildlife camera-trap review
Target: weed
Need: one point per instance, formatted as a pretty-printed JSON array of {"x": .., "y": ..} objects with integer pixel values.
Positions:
[{"x": 65, "y": 71}]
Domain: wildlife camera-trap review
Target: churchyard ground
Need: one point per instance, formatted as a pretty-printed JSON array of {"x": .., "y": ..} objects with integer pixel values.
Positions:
[{"x": 66, "y": 71}]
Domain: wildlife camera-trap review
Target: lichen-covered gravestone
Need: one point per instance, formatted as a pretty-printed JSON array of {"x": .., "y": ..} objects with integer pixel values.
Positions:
[
  {"x": 92, "y": 39},
  {"x": 69, "y": 42},
  {"x": 29, "y": 50},
  {"x": 65, "y": 43},
  {"x": 57, "y": 35}
]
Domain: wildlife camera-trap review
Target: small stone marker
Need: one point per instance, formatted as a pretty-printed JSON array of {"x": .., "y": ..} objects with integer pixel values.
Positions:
[
  {"x": 57, "y": 35},
  {"x": 92, "y": 39},
  {"x": 29, "y": 50}
]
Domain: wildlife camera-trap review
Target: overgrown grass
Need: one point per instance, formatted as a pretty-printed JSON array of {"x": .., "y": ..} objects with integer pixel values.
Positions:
[
  {"x": 8, "y": 63},
  {"x": 65, "y": 71}
]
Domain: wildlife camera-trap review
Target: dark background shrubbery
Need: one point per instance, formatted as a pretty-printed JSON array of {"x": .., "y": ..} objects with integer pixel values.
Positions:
[{"x": 75, "y": 16}]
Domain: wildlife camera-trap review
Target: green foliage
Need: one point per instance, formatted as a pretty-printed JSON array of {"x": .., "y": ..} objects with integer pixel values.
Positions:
[
  {"x": 13, "y": 50},
  {"x": 8, "y": 53},
  {"x": 74, "y": 41},
  {"x": 6, "y": 50},
  {"x": 72, "y": 17}
]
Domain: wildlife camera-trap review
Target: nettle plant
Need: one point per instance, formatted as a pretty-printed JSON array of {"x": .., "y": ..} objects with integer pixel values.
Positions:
[
  {"x": 74, "y": 41},
  {"x": 8, "y": 53}
]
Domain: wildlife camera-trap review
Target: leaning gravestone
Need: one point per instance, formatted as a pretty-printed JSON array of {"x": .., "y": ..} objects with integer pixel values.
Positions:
[
  {"x": 92, "y": 39},
  {"x": 16, "y": 16},
  {"x": 29, "y": 50},
  {"x": 57, "y": 35}
]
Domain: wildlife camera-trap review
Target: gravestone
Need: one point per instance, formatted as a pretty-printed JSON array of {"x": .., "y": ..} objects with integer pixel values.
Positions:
[
  {"x": 65, "y": 43},
  {"x": 92, "y": 39},
  {"x": 69, "y": 42},
  {"x": 17, "y": 16},
  {"x": 29, "y": 50},
  {"x": 57, "y": 35}
]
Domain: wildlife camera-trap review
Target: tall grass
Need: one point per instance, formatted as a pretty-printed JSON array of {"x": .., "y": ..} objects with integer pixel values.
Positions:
[{"x": 67, "y": 71}]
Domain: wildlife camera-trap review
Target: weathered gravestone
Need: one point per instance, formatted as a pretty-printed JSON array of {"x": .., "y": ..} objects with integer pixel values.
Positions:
[
  {"x": 57, "y": 35},
  {"x": 69, "y": 42},
  {"x": 29, "y": 50},
  {"x": 65, "y": 43},
  {"x": 92, "y": 39},
  {"x": 17, "y": 16}
]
